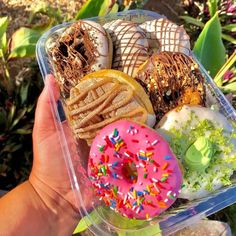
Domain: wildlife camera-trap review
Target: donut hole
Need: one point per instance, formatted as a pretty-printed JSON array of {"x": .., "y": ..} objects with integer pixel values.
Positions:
[
  {"x": 170, "y": 96},
  {"x": 129, "y": 172},
  {"x": 84, "y": 53},
  {"x": 79, "y": 47},
  {"x": 63, "y": 49}
]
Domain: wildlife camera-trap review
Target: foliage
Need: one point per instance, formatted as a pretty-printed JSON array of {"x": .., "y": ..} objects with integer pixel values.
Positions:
[
  {"x": 152, "y": 230},
  {"x": 97, "y": 8},
  {"x": 209, "y": 47},
  {"x": 203, "y": 10},
  {"x": 20, "y": 90},
  {"x": 226, "y": 78},
  {"x": 86, "y": 221},
  {"x": 123, "y": 223},
  {"x": 92, "y": 8},
  {"x": 17, "y": 103},
  {"x": 100, "y": 8}
]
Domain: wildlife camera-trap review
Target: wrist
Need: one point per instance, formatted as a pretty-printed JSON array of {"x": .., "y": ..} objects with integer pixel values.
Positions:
[{"x": 61, "y": 213}]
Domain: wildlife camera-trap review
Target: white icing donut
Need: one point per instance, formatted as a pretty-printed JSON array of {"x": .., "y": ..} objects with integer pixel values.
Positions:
[
  {"x": 169, "y": 120},
  {"x": 179, "y": 125},
  {"x": 163, "y": 35},
  {"x": 82, "y": 48},
  {"x": 130, "y": 46}
]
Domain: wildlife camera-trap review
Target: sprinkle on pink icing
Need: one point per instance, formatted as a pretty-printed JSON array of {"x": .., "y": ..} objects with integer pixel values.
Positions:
[{"x": 158, "y": 181}]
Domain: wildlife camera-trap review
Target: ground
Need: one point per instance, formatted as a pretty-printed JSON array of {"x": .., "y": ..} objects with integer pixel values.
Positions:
[{"x": 19, "y": 10}]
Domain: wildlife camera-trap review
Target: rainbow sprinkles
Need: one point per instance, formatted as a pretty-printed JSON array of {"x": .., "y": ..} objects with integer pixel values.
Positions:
[{"x": 133, "y": 170}]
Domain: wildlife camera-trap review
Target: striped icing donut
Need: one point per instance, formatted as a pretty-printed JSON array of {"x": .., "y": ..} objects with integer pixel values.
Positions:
[
  {"x": 164, "y": 35},
  {"x": 133, "y": 170},
  {"x": 130, "y": 46}
]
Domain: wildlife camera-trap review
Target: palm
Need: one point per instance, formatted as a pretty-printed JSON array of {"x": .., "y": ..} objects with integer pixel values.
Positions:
[{"x": 49, "y": 165}]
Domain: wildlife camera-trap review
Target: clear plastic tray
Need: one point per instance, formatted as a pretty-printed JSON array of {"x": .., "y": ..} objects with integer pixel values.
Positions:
[{"x": 109, "y": 222}]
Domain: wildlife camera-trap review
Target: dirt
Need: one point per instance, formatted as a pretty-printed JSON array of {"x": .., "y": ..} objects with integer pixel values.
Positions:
[
  {"x": 172, "y": 9},
  {"x": 19, "y": 10}
]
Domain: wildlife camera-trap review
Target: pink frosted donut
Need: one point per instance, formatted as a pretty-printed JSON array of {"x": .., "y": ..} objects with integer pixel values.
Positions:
[{"x": 133, "y": 170}]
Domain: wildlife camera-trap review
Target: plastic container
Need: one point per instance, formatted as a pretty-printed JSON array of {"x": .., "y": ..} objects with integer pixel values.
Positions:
[{"x": 105, "y": 221}]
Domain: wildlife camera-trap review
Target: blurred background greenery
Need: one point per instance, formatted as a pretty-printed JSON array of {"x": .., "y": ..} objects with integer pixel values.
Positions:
[{"x": 211, "y": 25}]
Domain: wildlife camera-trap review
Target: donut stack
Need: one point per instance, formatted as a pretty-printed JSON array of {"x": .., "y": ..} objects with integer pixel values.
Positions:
[
  {"x": 120, "y": 80},
  {"x": 154, "y": 54}
]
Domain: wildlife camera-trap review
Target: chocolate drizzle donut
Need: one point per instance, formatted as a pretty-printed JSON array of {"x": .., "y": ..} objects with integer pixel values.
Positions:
[
  {"x": 171, "y": 80},
  {"x": 84, "y": 47}
]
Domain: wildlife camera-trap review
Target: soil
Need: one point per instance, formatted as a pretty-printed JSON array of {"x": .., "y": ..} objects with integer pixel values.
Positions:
[
  {"x": 19, "y": 10},
  {"x": 172, "y": 9}
]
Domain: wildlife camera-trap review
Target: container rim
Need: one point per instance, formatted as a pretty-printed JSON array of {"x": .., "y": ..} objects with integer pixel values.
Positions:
[{"x": 203, "y": 207}]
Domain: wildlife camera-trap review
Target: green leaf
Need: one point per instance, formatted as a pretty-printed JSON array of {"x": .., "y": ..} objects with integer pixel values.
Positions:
[
  {"x": 3, "y": 25},
  {"x": 3, "y": 35},
  {"x": 89, "y": 9},
  {"x": 229, "y": 88},
  {"x": 24, "y": 92},
  {"x": 148, "y": 231},
  {"x": 23, "y": 42},
  {"x": 20, "y": 115},
  {"x": 23, "y": 131},
  {"x": 131, "y": 224},
  {"x": 11, "y": 115},
  {"x": 212, "y": 4},
  {"x": 3, "y": 44},
  {"x": 233, "y": 79},
  {"x": 85, "y": 222},
  {"x": 105, "y": 8},
  {"x": 229, "y": 38},
  {"x": 192, "y": 20},
  {"x": 209, "y": 48},
  {"x": 228, "y": 64},
  {"x": 45, "y": 9},
  {"x": 30, "y": 107},
  {"x": 114, "y": 9},
  {"x": 230, "y": 27},
  {"x": 11, "y": 147},
  {"x": 123, "y": 222},
  {"x": 23, "y": 51}
]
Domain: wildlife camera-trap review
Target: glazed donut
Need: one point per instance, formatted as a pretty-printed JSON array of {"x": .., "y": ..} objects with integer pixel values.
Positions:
[
  {"x": 130, "y": 46},
  {"x": 205, "y": 143},
  {"x": 133, "y": 170},
  {"x": 171, "y": 79},
  {"x": 103, "y": 97},
  {"x": 163, "y": 35},
  {"x": 82, "y": 48}
]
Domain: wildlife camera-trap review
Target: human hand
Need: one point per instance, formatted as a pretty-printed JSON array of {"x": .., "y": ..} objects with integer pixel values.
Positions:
[
  {"x": 49, "y": 175},
  {"x": 46, "y": 204}
]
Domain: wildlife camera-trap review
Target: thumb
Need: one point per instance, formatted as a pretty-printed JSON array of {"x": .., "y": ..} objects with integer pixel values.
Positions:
[{"x": 44, "y": 125}]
